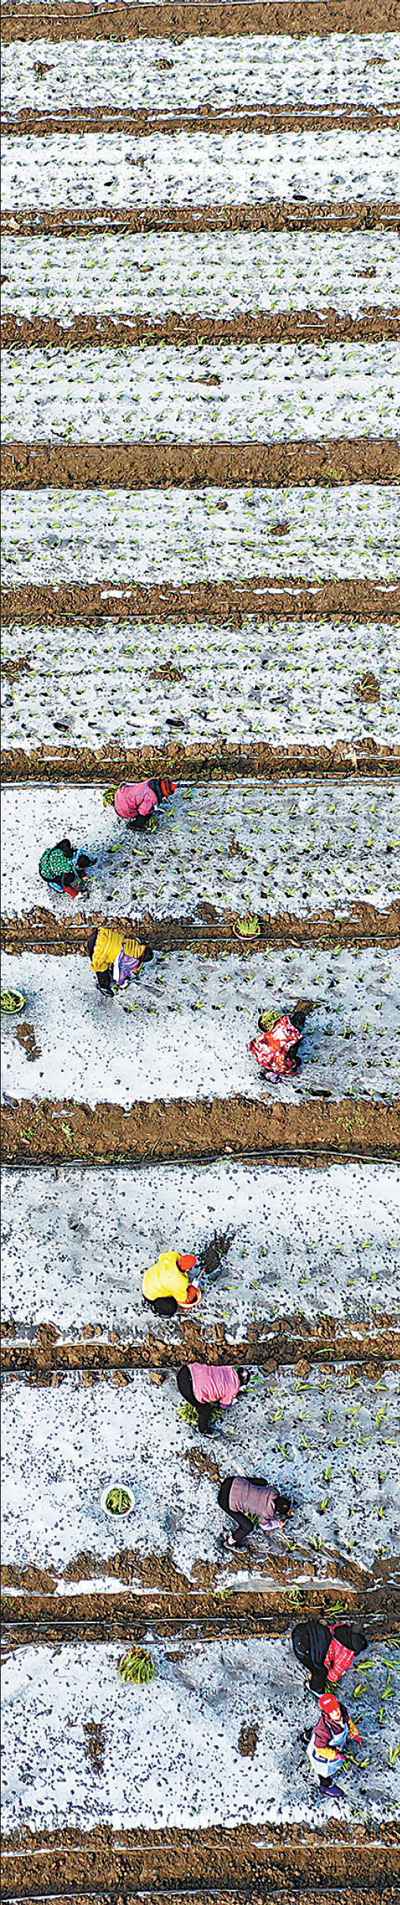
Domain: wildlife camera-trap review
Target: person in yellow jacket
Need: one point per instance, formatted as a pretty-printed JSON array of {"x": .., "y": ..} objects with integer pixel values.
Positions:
[
  {"x": 115, "y": 960},
  {"x": 167, "y": 1285}
]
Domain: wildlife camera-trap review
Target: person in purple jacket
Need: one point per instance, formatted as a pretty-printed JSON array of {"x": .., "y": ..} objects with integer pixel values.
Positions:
[{"x": 252, "y": 1502}]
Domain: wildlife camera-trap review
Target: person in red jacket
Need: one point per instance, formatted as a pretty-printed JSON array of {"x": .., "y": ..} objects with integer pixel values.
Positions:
[
  {"x": 279, "y": 1036},
  {"x": 328, "y": 1741},
  {"x": 327, "y": 1651},
  {"x": 136, "y": 801}
]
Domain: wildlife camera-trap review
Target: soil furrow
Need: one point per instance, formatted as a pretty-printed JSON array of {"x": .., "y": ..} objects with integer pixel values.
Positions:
[
  {"x": 348, "y": 215},
  {"x": 187, "y": 20},
  {"x": 328, "y": 1339},
  {"x": 143, "y": 124},
  {"x": 350, "y": 1856},
  {"x": 264, "y": 596},
  {"x": 201, "y": 1129},
  {"x": 155, "y": 465},
  {"x": 291, "y": 327},
  {"x": 364, "y": 926},
  {"x": 199, "y": 762}
]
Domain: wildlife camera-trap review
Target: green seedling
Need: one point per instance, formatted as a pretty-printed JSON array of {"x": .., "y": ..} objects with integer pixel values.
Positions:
[
  {"x": 394, "y": 1755},
  {"x": 136, "y": 1668}
]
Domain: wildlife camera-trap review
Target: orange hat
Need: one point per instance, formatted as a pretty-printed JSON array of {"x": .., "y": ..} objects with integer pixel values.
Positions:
[
  {"x": 330, "y": 1705},
  {"x": 167, "y": 788},
  {"x": 187, "y": 1263}
]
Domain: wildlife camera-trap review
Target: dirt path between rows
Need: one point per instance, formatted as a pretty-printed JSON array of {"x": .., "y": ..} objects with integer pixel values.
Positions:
[
  {"x": 351, "y": 1856},
  {"x": 181, "y": 1129},
  {"x": 266, "y": 596},
  {"x": 201, "y": 761},
  {"x": 364, "y": 925},
  {"x": 140, "y": 125},
  {"x": 265, "y": 1346},
  {"x": 188, "y": 20},
  {"x": 152, "y": 466},
  {"x": 273, "y": 215},
  {"x": 278, "y": 327}
]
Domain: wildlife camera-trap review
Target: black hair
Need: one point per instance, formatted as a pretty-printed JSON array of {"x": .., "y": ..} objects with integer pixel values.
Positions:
[
  {"x": 283, "y": 1506},
  {"x": 148, "y": 954}
]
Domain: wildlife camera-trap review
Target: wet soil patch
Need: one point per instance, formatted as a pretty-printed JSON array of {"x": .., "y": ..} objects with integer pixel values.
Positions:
[
  {"x": 13, "y": 669},
  {"x": 25, "y": 1036},
  {"x": 95, "y": 1745},
  {"x": 248, "y": 1737},
  {"x": 203, "y": 1129},
  {"x": 171, "y": 466}
]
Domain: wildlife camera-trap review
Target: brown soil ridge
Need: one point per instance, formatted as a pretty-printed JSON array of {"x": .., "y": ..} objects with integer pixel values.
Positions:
[
  {"x": 142, "y": 466},
  {"x": 273, "y": 215},
  {"x": 363, "y": 925},
  {"x": 184, "y": 21},
  {"x": 163, "y": 1578},
  {"x": 278, "y": 327},
  {"x": 202, "y": 762},
  {"x": 228, "y": 1617},
  {"x": 205, "y": 1128},
  {"x": 266, "y": 596},
  {"x": 353, "y": 1856},
  {"x": 266, "y": 1346},
  {"x": 290, "y": 1896},
  {"x": 148, "y": 124}
]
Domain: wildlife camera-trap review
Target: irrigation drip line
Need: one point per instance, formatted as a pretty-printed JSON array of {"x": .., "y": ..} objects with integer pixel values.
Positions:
[
  {"x": 175, "y": 1890},
  {"x": 133, "y": 1162}
]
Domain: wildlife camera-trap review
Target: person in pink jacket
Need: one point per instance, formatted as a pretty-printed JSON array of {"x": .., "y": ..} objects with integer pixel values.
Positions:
[
  {"x": 136, "y": 801},
  {"x": 210, "y": 1386},
  {"x": 252, "y": 1502}
]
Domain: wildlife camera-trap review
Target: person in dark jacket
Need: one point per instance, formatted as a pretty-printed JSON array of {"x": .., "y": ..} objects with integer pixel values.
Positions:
[
  {"x": 252, "y": 1502},
  {"x": 328, "y": 1652}
]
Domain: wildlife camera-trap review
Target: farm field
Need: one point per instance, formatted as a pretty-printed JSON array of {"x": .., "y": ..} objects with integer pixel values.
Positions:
[{"x": 201, "y": 583}]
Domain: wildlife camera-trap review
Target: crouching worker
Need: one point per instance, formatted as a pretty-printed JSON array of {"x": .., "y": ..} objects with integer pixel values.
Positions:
[
  {"x": 327, "y": 1652},
  {"x": 252, "y": 1503},
  {"x": 168, "y": 1285},
  {"x": 64, "y": 868},
  {"x": 136, "y": 801},
  {"x": 209, "y": 1386},
  {"x": 279, "y": 1037},
  {"x": 115, "y": 960},
  {"x": 328, "y": 1742}
]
